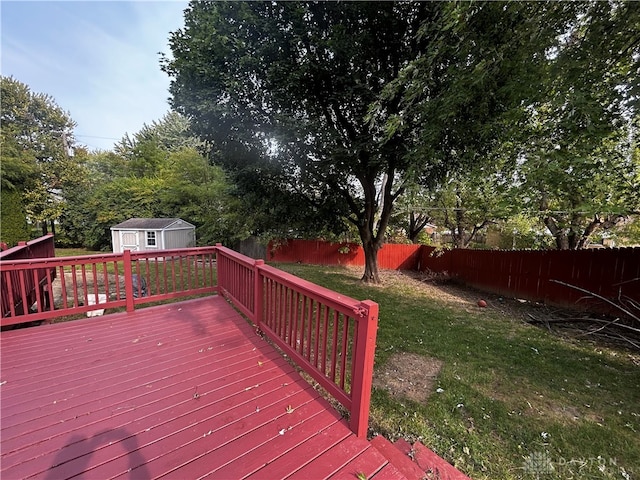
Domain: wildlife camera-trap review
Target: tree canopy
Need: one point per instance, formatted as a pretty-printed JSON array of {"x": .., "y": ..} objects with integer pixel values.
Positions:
[
  {"x": 578, "y": 169},
  {"x": 156, "y": 172},
  {"x": 36, "y": 136},
  {"x": 353, "y": 100}
]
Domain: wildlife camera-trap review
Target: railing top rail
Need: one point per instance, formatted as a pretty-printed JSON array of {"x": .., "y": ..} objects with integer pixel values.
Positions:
[
  {"x": 311, "y": 289},
  {"x": 172, "y": 252},
  {"x": 100, "y": 257},
  {"x": 50, "y": 261},
  {"x": 238, "y": 257},
  {"x": 7, "y": 254}
]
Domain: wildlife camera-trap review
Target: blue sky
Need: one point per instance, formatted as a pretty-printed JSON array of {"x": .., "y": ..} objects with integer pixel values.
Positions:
[{"x": 98, "y": 59}]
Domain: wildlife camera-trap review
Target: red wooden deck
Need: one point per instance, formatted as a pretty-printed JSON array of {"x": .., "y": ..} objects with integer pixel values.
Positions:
[{"x": 186, "y": 390}]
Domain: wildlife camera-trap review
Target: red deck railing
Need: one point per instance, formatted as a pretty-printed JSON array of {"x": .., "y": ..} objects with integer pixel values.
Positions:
[
  {"x": 94, "y": 282},
  {"x": 330, "y": 336},
  {"x": 32, "y": 285}
]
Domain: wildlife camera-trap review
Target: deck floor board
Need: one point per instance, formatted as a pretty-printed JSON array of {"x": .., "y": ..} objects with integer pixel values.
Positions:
[{"x": 186, "y": 390}]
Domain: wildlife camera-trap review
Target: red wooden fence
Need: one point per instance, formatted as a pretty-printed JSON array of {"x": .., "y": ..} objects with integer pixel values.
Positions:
[
  {"x": 319, "y": 252},
  {"x": 613, "y": 273},
  {"x": 527, "y": 274}
]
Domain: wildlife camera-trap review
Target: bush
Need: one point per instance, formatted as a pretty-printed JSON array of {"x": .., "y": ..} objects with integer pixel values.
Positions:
[{"x": 13, "y": 220}]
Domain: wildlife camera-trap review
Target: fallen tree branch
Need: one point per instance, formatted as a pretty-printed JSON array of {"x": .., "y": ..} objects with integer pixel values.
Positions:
[{"x": 600, "y": 297}]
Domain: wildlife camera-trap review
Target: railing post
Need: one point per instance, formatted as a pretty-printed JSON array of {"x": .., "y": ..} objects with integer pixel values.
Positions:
[
  {"x": 367, "y": 327},
  {"x": 257, "y": 293},
  {"x": 128, "y": 280},
  {"x": 220, "y": 269}
]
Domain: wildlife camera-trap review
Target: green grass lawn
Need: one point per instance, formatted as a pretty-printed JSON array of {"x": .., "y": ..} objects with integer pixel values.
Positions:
[
  {"x": 512, "y": 400},
  {"x": 74, "y": 252}
]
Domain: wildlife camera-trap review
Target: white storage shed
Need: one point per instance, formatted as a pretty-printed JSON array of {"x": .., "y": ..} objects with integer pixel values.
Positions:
[{"x": 152, "y": 234}]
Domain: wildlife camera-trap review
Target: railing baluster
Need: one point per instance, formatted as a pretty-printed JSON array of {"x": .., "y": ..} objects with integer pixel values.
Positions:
[
  {"x": 63, "y": 288},
  {"x": 12, "y": 302},
  {"x": 303, "y": 312},
  {"x": 293, "y": 318},
  {"x": 94, "y": 271},
  {"x": 105, "y": 277},
  {"x": 334, "y": 346},
  {"x": 85, "y": 290},
  {"x": 157, "y": 272},
  {"x": 117, "y": 279},
  {"x": 147, "y": 275},
  {"x": 312, "y": 304},
  {"x": 173, "y": 274},
  {"x": 325, "y": 338},
  {"x": 74, "y": 280},
  {"x": 196, "y": 273},
  {"x": 317, "y": 336},
  {"x": 345, "y": 341},
  {"x": 23, "y": 292},
  {"x": 36, "y": 285}
]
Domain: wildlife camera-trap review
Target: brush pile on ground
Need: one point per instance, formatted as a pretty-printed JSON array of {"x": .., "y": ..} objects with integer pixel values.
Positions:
[{"x": 621, "y": 328}]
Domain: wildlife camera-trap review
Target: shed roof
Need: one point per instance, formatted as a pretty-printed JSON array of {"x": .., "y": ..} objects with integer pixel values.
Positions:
[{"x": 152, "y": 223}]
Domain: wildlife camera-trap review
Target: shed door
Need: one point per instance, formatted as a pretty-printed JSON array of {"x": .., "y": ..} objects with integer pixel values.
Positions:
[{"x": 129, "y": 240}]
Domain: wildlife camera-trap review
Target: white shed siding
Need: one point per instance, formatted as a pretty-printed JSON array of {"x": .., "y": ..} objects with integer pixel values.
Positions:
[
  {"x": 179, "y": 238},
  {"x": 115, "y": 241}
]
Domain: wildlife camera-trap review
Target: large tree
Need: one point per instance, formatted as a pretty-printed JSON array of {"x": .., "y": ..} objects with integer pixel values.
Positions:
[
  {"x": 292, "y": 83},
  {"x": 579, "y": 167},
  {"x": 37, "y": 136},
  {"x": 341, "y": 94}
]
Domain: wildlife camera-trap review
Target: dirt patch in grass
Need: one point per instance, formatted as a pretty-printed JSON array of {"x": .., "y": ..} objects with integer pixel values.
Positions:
[{"x": 408, "y": 375}]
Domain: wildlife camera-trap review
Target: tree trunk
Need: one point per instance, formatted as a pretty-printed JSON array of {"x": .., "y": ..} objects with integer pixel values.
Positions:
[
  {"x": 559, "y": 235},
  {"x": 562, "y": 242},
  {"x": 371, "y": 274},
  {"x": 416, "y": 225}
]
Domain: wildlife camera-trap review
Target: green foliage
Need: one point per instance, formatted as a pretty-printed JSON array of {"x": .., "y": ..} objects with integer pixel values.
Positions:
[
  {"x": 329, "y": 112},
  {"x": 13, "y": 222},
  {"x": 577, "y": 191},
  {"x": 467, "y": 202},
  {"x": 36, "y": 141},
  {"x": 579, "y": 172},
  {"x": 286, "y": 101},
  {"x": 171, "y": 133},
  {"x": 200, "y": 193},
  {"x": 522, "y": 232},
  {"x": 546, "y": 86},
  {"x": 151, "y": 182},
  {"x": 17, "y": 163},
  {"x": 624, "y": 234}
]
